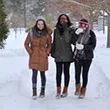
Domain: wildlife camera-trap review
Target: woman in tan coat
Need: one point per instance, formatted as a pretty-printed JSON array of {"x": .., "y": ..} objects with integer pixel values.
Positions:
[{"x": 38, "y": 46}]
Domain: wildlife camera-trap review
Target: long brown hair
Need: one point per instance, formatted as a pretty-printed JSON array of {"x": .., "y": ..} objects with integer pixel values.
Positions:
[{"x": 45, "y": 29}]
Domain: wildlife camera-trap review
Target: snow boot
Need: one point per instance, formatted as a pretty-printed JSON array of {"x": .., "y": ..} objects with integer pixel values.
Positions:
[
  {"x": 58, "y": 95},
  {"x": 34, "y": 96},
  {"x": 65, "y": 92},
  {"x": 42, "y": 93},
  {"x": 78, "y": 89},
  {"x": 82, "y": 94}
]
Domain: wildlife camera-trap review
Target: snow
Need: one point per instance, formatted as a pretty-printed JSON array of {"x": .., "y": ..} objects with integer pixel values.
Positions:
[{"x": 15, "y": 79}]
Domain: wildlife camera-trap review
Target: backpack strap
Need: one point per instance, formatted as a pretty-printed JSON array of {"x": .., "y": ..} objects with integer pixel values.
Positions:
[{"x": 31, "y": 33}]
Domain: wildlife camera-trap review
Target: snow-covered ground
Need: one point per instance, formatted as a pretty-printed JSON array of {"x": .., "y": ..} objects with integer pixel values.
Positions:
[{"x": 15, "y": 80}]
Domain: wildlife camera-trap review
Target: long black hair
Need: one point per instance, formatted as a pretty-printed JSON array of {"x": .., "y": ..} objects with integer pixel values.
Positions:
[{"x": 68, "y": 19}]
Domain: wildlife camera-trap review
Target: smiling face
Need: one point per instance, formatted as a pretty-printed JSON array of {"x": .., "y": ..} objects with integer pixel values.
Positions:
[
  {"x": 40, "y": 25},
  {"x": 63, "y": 19},
  {"x": 83, "y": 25}
]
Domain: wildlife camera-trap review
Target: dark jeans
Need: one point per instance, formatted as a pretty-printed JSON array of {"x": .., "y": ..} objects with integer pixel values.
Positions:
[
  {"x": 34, "y": 78},
  {"x": 82, "y": 66},
  {"x": 60, "y": 67}
]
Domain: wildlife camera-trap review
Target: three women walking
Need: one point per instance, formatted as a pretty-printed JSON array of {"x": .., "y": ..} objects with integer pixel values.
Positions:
[{"x": 38, "y": 46}]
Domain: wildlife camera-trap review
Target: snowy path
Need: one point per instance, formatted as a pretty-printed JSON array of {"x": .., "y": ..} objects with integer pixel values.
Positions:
[{"x": 15, "y": 88}]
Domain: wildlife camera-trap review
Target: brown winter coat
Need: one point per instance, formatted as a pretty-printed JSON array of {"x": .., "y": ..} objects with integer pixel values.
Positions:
[{"x": 38, "y": 52}]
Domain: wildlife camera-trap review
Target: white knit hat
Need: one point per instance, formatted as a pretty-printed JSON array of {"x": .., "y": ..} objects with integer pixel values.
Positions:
[{"x": 40, "y": 17}]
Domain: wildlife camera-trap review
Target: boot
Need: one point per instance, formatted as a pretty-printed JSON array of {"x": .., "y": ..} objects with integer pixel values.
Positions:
[
  {"x": 83, "y": 92},
  {"x": 58, "y": 92},
  {"x": 65, "y": 92},
  {"x": 34, "y": 96},
  {"x": 78, "y": 89},
  {"x": 42, "y": 92}
]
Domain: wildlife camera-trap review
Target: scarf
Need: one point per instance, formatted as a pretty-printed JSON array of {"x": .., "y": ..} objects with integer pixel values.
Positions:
[
  {"x": 62, "y": 27},
  {"x": 37, "y": 32},
  {"x": 83, "y": 39}
]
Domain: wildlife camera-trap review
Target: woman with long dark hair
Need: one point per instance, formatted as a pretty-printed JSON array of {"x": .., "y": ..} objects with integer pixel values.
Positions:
[
  {"x": 62, "y": 53},
  {"x": 38, "y": 46}
]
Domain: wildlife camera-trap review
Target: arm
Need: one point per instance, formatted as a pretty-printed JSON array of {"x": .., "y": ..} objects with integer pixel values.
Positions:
[
  {"x": 92, "y": 44},
  {"x": 49, "y": 44},
  {"x": 26, "y": 44},
  {"x": 53, "y": 46},
  {"x": 74, "y": 36}
]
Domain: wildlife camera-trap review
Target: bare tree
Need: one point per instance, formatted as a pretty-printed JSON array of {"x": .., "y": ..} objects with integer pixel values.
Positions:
[{"x": 108, "y": 37}]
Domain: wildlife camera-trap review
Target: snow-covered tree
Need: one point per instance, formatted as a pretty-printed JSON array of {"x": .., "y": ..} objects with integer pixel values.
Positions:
[
  {"x": 92, "y": 9},
  {"x": 3, "y": 25}
]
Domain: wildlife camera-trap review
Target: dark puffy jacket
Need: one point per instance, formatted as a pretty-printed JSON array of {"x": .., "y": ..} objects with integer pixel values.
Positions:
[
  {"x": 62, "y": 46},
  {"x": 89, "y": 46}
]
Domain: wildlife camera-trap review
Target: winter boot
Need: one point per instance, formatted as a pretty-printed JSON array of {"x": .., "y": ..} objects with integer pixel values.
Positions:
[
  {"x": 83, "y": 92},
  {"x": 58, "y": 92},
  {"x": 34, "y": 96},
  {"x": 78, "y": 89},
  {"x": 42, "y": 92},
  {"x": 65, "y": 92}
]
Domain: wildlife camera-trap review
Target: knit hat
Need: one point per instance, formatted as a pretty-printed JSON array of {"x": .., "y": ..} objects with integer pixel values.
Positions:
[
  {"x": 40, "y": 17},
  {"x": 83, "y": 23}
]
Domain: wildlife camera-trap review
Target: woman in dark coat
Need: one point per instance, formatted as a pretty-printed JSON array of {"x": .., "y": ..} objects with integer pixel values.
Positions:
[
  {"x": 85, "y": 43},
  {"x": 62, "y": 53},
  {"x": 39, "y": 50}
]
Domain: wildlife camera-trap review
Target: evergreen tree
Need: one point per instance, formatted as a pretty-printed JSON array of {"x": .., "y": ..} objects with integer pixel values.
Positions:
[{"x": 3, "y": 26}]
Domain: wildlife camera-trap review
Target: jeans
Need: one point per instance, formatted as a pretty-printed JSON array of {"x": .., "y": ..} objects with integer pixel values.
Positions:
[{"x": 34, "y": 78}]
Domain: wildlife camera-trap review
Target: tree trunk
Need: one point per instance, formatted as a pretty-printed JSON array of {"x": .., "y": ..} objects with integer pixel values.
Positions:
[
  {"x": 91, "y": 19},
  {"x": 108, "y": 38}
]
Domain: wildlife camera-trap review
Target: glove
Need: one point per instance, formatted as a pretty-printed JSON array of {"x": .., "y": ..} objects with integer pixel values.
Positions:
[
  {"x": 78, "y": 31},
  {"x": 79, "y": 46}
]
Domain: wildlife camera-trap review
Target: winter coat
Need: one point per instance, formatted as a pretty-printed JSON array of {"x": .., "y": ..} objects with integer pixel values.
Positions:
[
  {"x": 39, "y": 51},
  {"x": 88, "y": 47},
  {"x": 62, "y": 51}
]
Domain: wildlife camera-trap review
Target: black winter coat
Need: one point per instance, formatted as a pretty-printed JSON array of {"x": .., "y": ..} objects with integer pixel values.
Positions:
[
  {"x": 62, "y": 51},
  {"x": 89, "y": 46}
]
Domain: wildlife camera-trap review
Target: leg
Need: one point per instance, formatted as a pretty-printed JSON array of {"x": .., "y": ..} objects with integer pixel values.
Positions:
[
  {"x": 58, "y": 78},
  {"x": 78, "y": 66},
  {"x": 66, "y": 73},
  {"x": 43, "y": 79},
  {"x": 86, "y": 66},
  {"x": 77, "y": 71},
  {"x": 34, "y": 78},
  {"x": 34, "y": 83},
  {"x": 43, "y": 83},
  {"x": 66, "y": 78},
  {"x": 58, "y": 73}
]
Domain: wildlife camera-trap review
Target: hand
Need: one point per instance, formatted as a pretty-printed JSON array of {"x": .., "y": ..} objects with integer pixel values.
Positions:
[
  {"x": 78, "y": 31},
  {"x": 72, "y": 26},
  {"x": 79, "y": 46}
]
